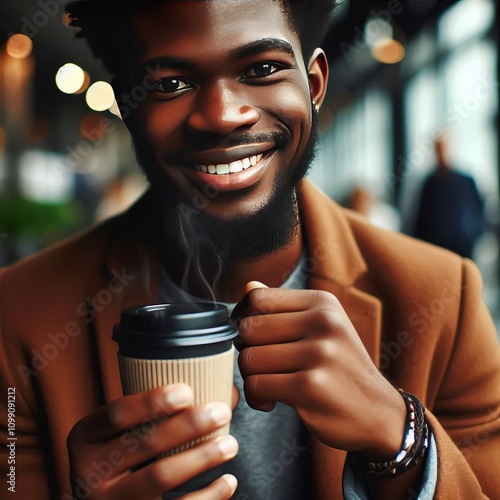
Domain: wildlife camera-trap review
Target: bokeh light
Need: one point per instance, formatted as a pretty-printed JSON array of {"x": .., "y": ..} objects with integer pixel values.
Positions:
[
  {"x": 100, "y": 96},
  {"x": 388, "y": 51},
  {"x": 19, "y": 46},
  {"x": 70, "y": 78},
  {"x": 85, "y": 84}
]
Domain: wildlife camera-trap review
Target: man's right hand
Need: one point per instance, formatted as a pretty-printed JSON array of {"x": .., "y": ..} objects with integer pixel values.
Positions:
[{"x": 107, "y": 446}]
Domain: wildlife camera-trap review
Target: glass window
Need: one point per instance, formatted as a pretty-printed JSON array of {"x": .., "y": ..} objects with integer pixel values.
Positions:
[
  {"x": 471, "y": 94},
  {"x": 422, "y": 125},
  {"x": 357, "y": 149},
  {"x": 45, "y": 177},
  {"x": 466, "y": 19}
]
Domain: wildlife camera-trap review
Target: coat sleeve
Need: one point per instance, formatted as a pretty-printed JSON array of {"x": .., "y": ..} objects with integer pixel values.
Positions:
[
  {"x": 22, "y": 458},
  {"x": 466, "y": 418}
]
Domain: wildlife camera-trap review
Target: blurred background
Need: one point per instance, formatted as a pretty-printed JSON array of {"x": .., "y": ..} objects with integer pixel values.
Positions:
[{"x": 405, "y": 74}]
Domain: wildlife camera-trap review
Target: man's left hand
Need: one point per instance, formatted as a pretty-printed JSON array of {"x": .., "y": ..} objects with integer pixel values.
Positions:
[{"x": 299, "y": 347}]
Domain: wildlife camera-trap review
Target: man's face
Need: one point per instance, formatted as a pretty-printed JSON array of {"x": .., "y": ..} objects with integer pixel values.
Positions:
[{"x": 231, "y": 112}]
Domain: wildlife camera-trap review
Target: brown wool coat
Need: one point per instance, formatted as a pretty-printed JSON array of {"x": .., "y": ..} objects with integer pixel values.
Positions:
[{"x": 417, "y": 309}]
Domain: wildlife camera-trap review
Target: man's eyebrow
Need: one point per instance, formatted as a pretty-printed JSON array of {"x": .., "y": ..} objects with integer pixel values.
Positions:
[
  {"x": 263, "y": 45},
  {"x": 166, "y": 62},
  {"x": 247, "y": 50}
]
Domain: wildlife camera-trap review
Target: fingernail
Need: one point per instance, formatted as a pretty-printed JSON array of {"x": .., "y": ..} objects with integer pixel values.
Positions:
[
  {"x": 227, "y": 445},
  {"x": 179, "y": 396},
  {"x": 231, "y": 480},
  {"x": 219, "y": 413}
]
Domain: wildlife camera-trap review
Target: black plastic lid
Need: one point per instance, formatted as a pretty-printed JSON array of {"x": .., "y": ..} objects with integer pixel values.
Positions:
[{"x": 144, "y": 330}]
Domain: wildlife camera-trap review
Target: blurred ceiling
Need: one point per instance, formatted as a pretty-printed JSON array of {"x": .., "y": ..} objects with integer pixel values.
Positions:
[{"x": 409, "y": 16}]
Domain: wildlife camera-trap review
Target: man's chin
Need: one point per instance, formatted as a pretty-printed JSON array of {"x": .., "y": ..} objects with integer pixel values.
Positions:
[{"x": 241, "y": 230}]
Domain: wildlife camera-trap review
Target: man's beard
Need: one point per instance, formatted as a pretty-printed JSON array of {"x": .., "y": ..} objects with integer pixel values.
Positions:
[{"x": 213, "y": 241}]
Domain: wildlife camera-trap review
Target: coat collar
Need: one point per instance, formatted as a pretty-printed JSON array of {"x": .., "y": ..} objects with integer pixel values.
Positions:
[{"x": 337, "y": 264}]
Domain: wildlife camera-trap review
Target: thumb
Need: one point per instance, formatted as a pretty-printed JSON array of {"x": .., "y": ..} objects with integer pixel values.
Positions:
[{"x": 254, "y": 284}]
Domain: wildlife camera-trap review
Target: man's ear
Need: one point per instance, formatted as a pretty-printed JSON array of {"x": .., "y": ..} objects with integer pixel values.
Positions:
[{"x": 318, "y": 76}]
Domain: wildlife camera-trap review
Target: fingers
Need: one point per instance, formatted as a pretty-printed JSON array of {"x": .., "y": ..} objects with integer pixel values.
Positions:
[
  {"x": 115, "y": 418},
  {"x": 151, "y": 439},
  {"x": 167, "y": 473},
  {"x": 262, "y": 391},
  {"x": 274, "y": 328},
  {"x": 285, "y": 358},
  {"x": 276, "y": 300},
  {"x": 254, "y": 284},
  {"x": 118, "y": 441},
  {"x": 289, "y": 327},
  {"x": 221, "y": 489}
]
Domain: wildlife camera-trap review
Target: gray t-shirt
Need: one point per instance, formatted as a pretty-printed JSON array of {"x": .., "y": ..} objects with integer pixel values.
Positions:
[{"x": 273, "y": 456}]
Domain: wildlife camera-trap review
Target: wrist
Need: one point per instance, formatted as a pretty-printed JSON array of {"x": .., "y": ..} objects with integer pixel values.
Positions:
[
  {"x": 386, "y": 438},
  {"x": 412, "y": 449}
]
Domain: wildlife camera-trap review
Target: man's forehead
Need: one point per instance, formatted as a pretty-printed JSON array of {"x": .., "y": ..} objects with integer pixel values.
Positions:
[
  {"x": 190, "y": 14},
  {"x": 213, "y": 24}
]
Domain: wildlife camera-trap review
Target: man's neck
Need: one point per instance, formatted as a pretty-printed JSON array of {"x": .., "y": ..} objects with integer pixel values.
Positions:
[
  {"x": 226, "y": 281},
  {"x": 272, "y": 270}
]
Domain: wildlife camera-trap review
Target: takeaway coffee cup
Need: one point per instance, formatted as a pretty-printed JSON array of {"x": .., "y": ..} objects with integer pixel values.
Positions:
[{"x": 178, "y": 342}]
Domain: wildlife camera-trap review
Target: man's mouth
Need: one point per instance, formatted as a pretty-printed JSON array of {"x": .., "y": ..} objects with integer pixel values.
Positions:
[{"x": 230, "y": 168}]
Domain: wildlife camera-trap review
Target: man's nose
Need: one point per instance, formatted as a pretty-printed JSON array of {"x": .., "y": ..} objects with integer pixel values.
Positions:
[{"x": 221, "y": 109}]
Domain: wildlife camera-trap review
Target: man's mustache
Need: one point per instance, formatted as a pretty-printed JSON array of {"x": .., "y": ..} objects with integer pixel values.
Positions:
[{"x": 280, "y": 139}]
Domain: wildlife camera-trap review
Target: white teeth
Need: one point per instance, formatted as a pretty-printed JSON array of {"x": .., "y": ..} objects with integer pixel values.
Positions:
[
  {"x": 236, "y": 166},
  {"x": 233, "y": 167},
  {"x": 222, "y": 169}
]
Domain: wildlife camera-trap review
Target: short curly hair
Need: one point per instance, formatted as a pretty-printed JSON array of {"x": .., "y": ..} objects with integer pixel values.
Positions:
[{"x": 105, "y": 26}]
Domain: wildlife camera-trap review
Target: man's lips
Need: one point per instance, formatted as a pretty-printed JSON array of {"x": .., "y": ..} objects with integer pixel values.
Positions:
[
  {"x": 224, "y": 180},
  {"x": 227, "y": 160}
]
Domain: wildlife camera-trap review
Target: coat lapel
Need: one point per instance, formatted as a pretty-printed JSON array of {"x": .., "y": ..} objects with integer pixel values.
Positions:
[
  {"x": 336, "y": 265},
  {"x": 131, "y": 267}
]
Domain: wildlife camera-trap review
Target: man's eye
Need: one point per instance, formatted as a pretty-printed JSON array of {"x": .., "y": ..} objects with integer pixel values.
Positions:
[
  {"x": 261, "y": 70},
  {"x": 171, "y": 85}
]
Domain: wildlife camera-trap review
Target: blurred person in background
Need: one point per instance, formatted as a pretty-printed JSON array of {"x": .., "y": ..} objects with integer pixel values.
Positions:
[
  {"x": 450, "y": 212},
  {"x": 378, "y": 212}
]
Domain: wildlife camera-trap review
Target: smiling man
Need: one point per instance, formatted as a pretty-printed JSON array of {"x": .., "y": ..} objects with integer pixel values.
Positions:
[
  {"x": 225, "y": 136},
  {"x": 239, "y": 125}
]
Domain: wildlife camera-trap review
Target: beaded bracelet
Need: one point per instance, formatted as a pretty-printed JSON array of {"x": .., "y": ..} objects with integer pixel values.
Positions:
[{"x": 414, "y": 446}]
